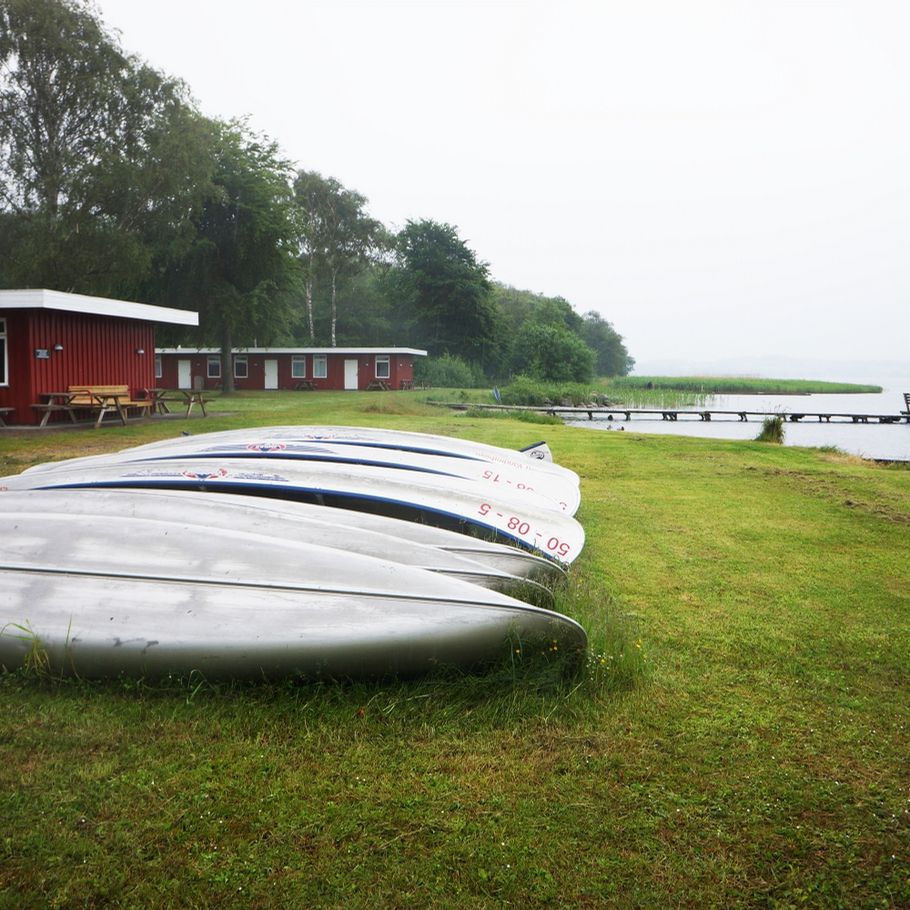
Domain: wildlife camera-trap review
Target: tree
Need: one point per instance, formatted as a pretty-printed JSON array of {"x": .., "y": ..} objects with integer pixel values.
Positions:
[
  {"x": 99, "y": 154},
  {"x": 241, "y": 268},
  {"x": 444, "y": 294},
  {"x": 552, "y": 353},
  {"x": 612, "y": 357},
  {"x": 338, "y": 237}
]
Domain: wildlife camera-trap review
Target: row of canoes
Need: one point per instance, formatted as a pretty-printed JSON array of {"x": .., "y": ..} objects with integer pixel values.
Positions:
[{"x": 332, "y": 551}]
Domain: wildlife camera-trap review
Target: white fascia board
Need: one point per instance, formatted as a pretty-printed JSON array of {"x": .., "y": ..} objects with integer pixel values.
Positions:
[
  {"x": 394, "y": 351},
  {"x": 94, "y": 306}
]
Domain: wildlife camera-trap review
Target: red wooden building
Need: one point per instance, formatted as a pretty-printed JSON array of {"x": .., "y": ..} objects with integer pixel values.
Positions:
[
  {"x": 50, "y": 340},
  {"x": 289, "y": 368}
]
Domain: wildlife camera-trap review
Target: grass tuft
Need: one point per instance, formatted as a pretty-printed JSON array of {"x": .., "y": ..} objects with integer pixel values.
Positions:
[{"x": 772, "y": 430}]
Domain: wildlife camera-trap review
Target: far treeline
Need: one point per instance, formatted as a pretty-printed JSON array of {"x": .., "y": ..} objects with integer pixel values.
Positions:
[{"x": 112, "y": 183}]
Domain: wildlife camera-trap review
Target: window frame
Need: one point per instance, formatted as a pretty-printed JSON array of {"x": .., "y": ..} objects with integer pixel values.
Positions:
[
  {"x": 238, "y": 360},
  {"x": 159, "y": 367},
  {"x": 387, "y": 361},
  {"x": 213, "y": 360},
  {"x": 4, "y": 354},
  {"x": 298, "y": 360},
  {"x": 320, "y": 366}
]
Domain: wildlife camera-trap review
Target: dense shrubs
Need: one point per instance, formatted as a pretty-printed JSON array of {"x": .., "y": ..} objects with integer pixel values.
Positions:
[
  {"x": 447, "y": 372},
  {"x": 526, "y": 391}
]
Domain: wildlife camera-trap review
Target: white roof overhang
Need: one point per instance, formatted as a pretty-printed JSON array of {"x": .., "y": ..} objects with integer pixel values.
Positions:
[{"x": 94, "y": 306}]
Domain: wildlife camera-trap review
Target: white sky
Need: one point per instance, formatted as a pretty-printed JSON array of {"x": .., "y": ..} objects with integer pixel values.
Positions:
[{"x": 718, "y": 179}]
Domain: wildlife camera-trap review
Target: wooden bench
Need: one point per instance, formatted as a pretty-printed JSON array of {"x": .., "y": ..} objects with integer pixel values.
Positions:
[
  {"x": 3, "y": 413},
  {"x": 107, "y": 399},
  {"x": 103, "y": 399},
  {"x": 379, "y": 385}
]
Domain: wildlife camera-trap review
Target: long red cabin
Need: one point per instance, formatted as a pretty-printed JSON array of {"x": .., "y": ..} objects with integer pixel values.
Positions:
[{"x": 289, "y": 368}]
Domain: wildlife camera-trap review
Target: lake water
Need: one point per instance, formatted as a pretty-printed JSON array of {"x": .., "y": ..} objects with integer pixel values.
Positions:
[{"x": 872, "y": 440}]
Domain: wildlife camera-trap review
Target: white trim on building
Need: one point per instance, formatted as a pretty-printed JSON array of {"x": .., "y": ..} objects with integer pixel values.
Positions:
[{"x": 94, "y": 306}]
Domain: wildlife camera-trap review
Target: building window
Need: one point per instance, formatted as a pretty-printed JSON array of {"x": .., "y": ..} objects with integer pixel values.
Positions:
[
  {"x": 241, "y": 368},
  {"x": 213, "y": 368},
  {"x": 159, "y": 370},
  {"x": 383, "y": 370},
  {"x": 319, "y": 367},
  {"x": 298, "y": 367},
  {"x": 4, "y": 372}
]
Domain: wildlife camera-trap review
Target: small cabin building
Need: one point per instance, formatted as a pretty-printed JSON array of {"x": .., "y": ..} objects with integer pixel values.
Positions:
[
  {"x": 50, "y": 340},
  {"x": 289, "y": 368}
]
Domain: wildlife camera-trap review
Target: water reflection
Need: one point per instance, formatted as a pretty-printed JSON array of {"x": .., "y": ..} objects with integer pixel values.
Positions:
[{"x": 872, "y": 440}]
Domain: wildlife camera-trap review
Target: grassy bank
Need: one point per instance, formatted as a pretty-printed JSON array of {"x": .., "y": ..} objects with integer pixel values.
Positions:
[
  {"x": 736, "y": 385},
  {"x": 751, "y": 753}
]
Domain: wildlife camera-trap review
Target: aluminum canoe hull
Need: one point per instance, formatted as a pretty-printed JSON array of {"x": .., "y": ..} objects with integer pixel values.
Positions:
[
  {"x": 553, "y": 491},
  {"x": 144, "y": 597},
  {"x": 295, "y": 522},
  {"x": 401, "y": 440},
  {"x": 447, "y": 502}
]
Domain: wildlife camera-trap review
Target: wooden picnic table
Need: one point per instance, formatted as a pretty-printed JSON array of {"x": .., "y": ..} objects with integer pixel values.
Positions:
[
  {"x": 160, "y": 399},
  {"x": 100, "y": 399},
  {"x": 56, "y": 401}
]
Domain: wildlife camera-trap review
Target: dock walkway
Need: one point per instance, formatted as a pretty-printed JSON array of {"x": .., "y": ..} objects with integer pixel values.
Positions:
[{"x": 702, "y": 414}]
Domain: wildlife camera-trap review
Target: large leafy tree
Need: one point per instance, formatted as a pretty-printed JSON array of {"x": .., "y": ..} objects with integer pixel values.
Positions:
[
  {"x": 338, "y": 239},
  {"x": 444, "y": 293},
  {"x": 612, "y": 357},
  {"x": 100, "y": 156},
  {"x": 552, "y": 353},
  {"x": 241, "y": 268}
]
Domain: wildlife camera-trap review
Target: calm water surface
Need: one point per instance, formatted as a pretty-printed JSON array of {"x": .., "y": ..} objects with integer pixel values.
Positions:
[{"x": 872, "y": 440}]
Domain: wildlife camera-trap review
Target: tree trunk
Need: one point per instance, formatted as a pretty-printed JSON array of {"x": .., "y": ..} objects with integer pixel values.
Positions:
[
  {"x": 334, "y": 312},
  {"x": 309, "y": 309},
  {"x": 227, "y": 363}
]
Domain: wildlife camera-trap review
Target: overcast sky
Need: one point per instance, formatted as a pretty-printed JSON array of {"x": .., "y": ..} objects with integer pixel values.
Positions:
[{"x": 720, "y": 180}]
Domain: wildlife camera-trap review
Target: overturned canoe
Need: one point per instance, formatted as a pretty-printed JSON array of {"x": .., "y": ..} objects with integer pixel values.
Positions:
[
  {"x": 550, "y": 491},
  {"x": 146, "y": 597},
  {"x": 449, "y": 502},
  {"x": 534, "y": 459},
  {"x": 284, "y": 521}
]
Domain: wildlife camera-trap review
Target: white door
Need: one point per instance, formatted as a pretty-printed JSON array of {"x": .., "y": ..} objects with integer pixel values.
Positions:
[
  {"x": 350, "y": 375},
  {"x": 271, "y": 374},
  {"x": 184, "y": 374}
]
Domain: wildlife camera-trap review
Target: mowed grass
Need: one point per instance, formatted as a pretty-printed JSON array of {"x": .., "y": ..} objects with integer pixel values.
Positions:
[{"x": 739, "y": 738}]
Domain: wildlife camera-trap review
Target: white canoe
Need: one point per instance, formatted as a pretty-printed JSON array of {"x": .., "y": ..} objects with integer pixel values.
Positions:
[
  {"x": 144, "y": 597},
  {"x": 551, "y": 491},
  {"x": 525, "y": 461},
  {"x": 295, "y": 522},
  {"x": 443, "y": 501}
]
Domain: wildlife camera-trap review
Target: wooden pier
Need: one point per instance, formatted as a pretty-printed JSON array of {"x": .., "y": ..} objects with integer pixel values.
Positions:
[{"x": 702, "y": 414}]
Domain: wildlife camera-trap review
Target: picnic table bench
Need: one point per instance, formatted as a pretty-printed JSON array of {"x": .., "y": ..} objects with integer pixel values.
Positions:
[
  {"x": 160, "y": 398},
  {"x": 379, "y": 385},
  {"x": 103, "y": 399},
  {"x": 3, "y": 413}
]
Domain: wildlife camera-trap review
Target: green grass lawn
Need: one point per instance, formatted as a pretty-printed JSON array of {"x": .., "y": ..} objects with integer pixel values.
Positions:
[{"x": 739, "y": 738}]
